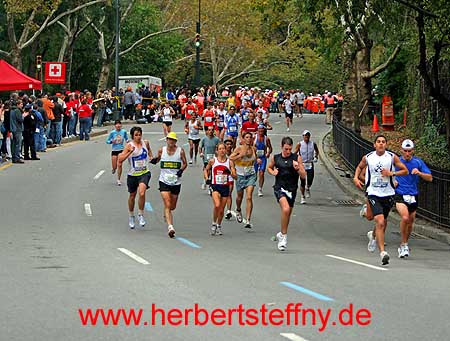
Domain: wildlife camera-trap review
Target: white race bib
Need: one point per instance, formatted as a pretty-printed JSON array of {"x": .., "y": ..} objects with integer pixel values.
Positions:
[
  {"x": 140, "y": 164},
  {"x": 170, "y": 179},
  {"x": 307, "y": 165},
  {"x": 208, "y": 119},
  {"x": 249, "y": 170},
  {"x": 221, "y": 179},
  {"x": 209, "y": 156},
  {"x": 260, "y": 152},
  {"x": 232, "y": 128},
  {"x": 409, "y": 199}
]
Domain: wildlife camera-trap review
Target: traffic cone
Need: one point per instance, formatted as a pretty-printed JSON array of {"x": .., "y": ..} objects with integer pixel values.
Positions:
[{"x": 375, "y": 127}]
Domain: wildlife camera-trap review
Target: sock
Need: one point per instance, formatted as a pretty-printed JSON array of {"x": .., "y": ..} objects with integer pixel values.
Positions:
[
  {"x": 170, "y": 227},
  {"x": 141, "y": 212}
]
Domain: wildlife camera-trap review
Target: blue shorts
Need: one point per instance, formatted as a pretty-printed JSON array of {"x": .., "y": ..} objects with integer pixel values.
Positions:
[
  {"x": 232, "y": 134},
  {"x": 244, "y": 181},
  {"x": 262, "y": 166}
]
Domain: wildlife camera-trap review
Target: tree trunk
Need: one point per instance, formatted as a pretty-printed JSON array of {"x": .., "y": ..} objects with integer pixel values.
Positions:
[
  {"x": 16, "y": 58},
  {"x": 104, "y": 75}
]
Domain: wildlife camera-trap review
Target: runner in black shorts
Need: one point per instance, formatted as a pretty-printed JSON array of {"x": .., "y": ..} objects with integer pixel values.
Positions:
[{"x": 117, "y": 138}]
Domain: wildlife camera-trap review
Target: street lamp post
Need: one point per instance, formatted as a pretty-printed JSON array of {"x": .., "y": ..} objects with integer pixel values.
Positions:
[
  {"x": 116, "y": 71},
  {"x": 197, "y": 49}
]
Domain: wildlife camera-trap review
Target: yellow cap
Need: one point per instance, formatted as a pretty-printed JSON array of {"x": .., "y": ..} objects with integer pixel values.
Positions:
[{"x": 172, "y": 136}]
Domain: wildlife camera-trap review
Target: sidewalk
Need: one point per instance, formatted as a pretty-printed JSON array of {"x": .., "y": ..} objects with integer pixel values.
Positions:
[{"x": 344, "y": 178}]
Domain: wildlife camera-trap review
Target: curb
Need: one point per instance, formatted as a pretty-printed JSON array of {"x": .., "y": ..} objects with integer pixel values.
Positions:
[
  {"x": 92, "y": 134},
  {"x": 421, "y": 226}
]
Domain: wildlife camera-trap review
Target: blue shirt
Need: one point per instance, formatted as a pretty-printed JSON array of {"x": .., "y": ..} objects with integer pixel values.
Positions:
[
  {"x": 117, "y": 139},
  {"x": 407, "y": 185}
]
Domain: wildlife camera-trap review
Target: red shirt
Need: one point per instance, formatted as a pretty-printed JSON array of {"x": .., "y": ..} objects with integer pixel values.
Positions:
[
  {"x": 250, "y": 127},
  {"x": 190, "y": 109},
  {"x": 209, "y": 118},
  {"x": 85, "y": 111}
]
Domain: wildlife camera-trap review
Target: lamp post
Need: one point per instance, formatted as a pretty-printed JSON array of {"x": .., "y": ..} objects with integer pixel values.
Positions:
[
  {"x": 116, "y": 67},
  {"x": 197, "y": 49}
]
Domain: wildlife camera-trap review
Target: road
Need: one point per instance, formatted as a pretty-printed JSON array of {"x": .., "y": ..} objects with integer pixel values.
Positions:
[{"x": 57, "y": 259}]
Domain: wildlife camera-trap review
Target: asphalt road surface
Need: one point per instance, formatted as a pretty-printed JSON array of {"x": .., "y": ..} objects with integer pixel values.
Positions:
[{"x": 65, "y": 245}]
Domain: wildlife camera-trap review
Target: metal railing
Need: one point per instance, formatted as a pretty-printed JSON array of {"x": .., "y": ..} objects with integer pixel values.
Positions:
[{"x": 434, "y": 197}]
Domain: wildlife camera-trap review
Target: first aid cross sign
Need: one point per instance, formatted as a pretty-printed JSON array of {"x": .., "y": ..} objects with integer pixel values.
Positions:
[{"x": 55, "y": 73}]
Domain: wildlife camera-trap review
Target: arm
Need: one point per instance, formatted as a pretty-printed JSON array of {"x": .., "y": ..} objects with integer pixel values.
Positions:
[
  {"x": 316, "y": 149},
  {"x": 157, "y": 158},
  {"x": 183, "y": 159},
  {"x": 297, "y": 148},
  {"x": 126, "y": 153},
  {"x": 208, "y": 169},
  {"x": 150, "y": 154},
  {"x": 358, "y": 170},
  {"x": 269, "y": 148},
  {"x": 298, "y": 166},
  {"x": 271, "y": 167},
  {"x": 423, "y": 172},
  {"x": 109, "y": 139},
  {"x": 397, "y": 163},
  {"x": 236, "y": 154},
  {"x": 233, "y": 170}
]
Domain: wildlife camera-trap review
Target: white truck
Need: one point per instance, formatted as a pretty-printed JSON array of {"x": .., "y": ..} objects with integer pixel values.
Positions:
[{"x": 134, "y": 81}]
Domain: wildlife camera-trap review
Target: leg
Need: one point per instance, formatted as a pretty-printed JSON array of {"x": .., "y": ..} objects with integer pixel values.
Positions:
[
  {"x": 220, "y": 213},
  {"x": 261, "y": 179},
  {"x": 239, "y": 197},
  {"x": 412, "y": 218},
  {"x": 191, "y": 150},
  {"x": 286, "y": 211},
  {"x": 167, "y": 207},
  {"x": 402, "y": 210},
  {"x": 216, "y": 198},
  {"x": 114, "y": 162},
  {"x": 131, "y": 199},
  {"x": 119, "y": 170},
  {"x": 380, "y": 227},
  {"x": 141, "y": 199},
  {"x": 249, "y": 201}
]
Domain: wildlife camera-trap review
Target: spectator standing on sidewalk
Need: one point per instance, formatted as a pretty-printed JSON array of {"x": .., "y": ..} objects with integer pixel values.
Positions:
[
  {"x": 56, "y": 129},
  {"x": 16, "y": 129},
  {"x": 85, "y": 114},
  {"x": 29, "y": 128}
]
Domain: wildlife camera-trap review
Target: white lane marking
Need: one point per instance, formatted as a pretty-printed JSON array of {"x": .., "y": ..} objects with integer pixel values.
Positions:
[
  {"x": 287, "y": 134},
  {"x": 87, "y": 209},
  {"x": 292, "y": 336},
  {"x": 277, "y": 122},
  {"x": 359, "y": 263},
  {"x": 133, "y": 255},
  {"x": 162, "y": 139},
  {"x": 99, "y": 174}
]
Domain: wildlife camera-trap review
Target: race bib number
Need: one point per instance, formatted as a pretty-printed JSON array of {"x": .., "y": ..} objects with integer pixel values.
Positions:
[
  {"x": 209, "y": 156},
  {"x": 190, "y": 112},
  {"x": 409, "y": 199},
  {"x": 260, "y": 152},
  {"x": 307, "y": 165},
  {"x": 220, "y": 124},
  {"x": 250, "y": 170},
  {"x": 208, "y": 119},
  {"x": 232, "y": 128},
  {"x": 221, "y": 179},
  {"x": 379, "y": 182},
  {"x": 170, "y": 179}
]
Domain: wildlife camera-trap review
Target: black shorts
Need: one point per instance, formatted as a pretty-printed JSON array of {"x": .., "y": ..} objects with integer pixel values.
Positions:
[
  {"x": 116, "y": 152},
  {"x": 195, "y": 141},
  {"x": 224, "y": 190},
  {"x": 134, "y": 181},
  {"x": 398, "y": 198},
  {"x": 175, "y": 190},
  {"x": 169, "y": 123},
  {"x": 279, "y": 193},
  {"x": 291, "y": 115},
  {"x": 381, "y": 205}
]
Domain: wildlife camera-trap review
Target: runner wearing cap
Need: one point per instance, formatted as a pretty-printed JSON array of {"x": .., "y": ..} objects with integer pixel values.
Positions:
[
  {"x": 117, "y": 138},
  {"x": 263, "y": 150},
  {"x": 173, "y": 162},
  {"x": 309, "y": 152},
  {"x": 379, "y": 168},
  {"x": 138, "y": 152},
  {"x": 232, "y": 125},
  {"x": 406, "y": 193}
]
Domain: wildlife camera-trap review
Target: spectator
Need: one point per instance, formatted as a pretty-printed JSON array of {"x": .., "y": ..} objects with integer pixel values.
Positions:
[
  {"x": 84, "y": 113},
  {"x": 16, "y": 129}
]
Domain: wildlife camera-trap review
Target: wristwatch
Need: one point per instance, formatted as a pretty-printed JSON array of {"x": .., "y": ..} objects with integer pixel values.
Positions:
[{"x": 393, "y": 173}]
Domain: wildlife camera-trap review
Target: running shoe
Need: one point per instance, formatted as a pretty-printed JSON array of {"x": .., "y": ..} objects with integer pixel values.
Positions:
[
  {"x": 141, "y": 220},
  {"x": 406, "y": 250},
  {"x": 282, "y": 241},
  {"x": 190, "y": 162},
  {"x": 248, "y": 224},
  {"x": 131, "y": 222},
  {"x": 228, "y": 215},
  {"x": 113, "y": 171},
  {"x": 303, "y": 200},
  {"x": 401, "y": 251},
  {"x": 203, "y": 186},
  {"x": 171, "y": 232},
  {"x": 119, "y": 183},
  {"x": 260, "y": 193},
  {"x": 219, "y": 230},
  {"x": 308, "y": 193},
  {"x": 384, "y": 258},
  {"x": 239, "y": 217},
  {"x": 288, "y": 129},
  {"x": 213, "y": 229},
  {"x": 372, "y": 245},
  {"x": 363, "y": 211}
]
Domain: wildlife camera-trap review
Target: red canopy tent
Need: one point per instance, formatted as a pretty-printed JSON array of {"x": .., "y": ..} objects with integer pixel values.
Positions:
[{"x": 13, "y": 79}]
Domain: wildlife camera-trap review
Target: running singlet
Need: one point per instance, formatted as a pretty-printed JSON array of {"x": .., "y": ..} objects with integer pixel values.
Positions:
[
  {"x": 221, "y": 172},
  {"x": 260, "y": 147},
  {"x": 377, "y": 184},
  {"x": 407, "y": 185},
  {"x": 287, "y": 177},
  {"x": 209, "y": 118},
  {"x": 193, "y": 130},
  {"x": 307, "y": 153},
  {"x": 170, "y": 164},
  {"x": 167, "y": 117},
  {"x": 221, "y": 115},
  {"x": 244, "y": 115},
  {"x": 246, "y": 165},
  {"x": 138, "y": 160},
  {"x": 232, "y": 125},
  {"x": 190, "y": 110}
]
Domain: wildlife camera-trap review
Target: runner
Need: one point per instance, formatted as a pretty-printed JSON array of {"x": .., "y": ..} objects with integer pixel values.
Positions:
[
  {"x": 250, "y": 125},
  {"x": 209, "y": 117},
  {"x": 287, "y": 105},
  {"x": 229, "y": 151},
  {"x": 117, "y": 137},
  {"x": 263, "y": 151},
  {"x": 309, "y": 152},
  {"x": 167, "y": 116},
  {"x": 192, "y": 128},
  {"x": 138, "y": 152},
  {"x": 232, "y": 126},
  {"x": 406, "y": 193},
  {"x": 286, "y": 167},
  {"x": 173, "y": 163},
  {"x": 208, "y": 149},
  {"x": 244, "y": 158},
  {"x": 220, "y": 168},
  {"x": 220, "y": 120},
  {"x": 379, "y": 190}
]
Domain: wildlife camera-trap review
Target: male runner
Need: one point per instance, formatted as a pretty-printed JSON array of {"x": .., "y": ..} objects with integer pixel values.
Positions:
[
  {"x": 192, "y": 128},
  {"x": 117, "y": 137},
  {"x": 208, "y": 149},
  {"x": 138, "y": 152},
  {"x": 379, "y": 189},
  {"x": 309, "y": 152},
  {"x": 286, "y": 167},
  {"x": 232, "y": 125},
  {"x": 263, "y": 150}
]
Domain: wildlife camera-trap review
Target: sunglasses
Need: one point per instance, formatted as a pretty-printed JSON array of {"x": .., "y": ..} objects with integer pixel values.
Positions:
[{"x": 407, "y": 150}]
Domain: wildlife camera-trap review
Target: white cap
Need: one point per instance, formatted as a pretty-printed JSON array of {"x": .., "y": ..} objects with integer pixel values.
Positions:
[
  {"x": 407, "y": 144},
  {"x": 305, "y": 132}
]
